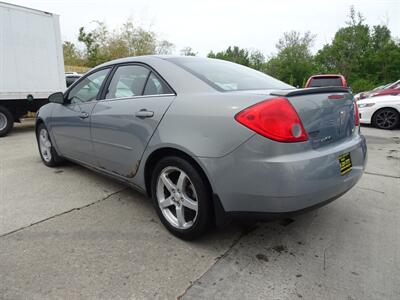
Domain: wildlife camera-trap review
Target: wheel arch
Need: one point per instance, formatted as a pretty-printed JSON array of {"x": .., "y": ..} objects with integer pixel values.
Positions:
[
  {"x": 38, "y": 121},
  {"x": 160, "y": 153},
  {"x": 217, "y": 210}
]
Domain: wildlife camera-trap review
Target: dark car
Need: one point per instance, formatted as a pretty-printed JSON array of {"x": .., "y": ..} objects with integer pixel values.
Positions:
[
  {"x": 326, "y": 80},
  {"x": 70, "y": 78}
]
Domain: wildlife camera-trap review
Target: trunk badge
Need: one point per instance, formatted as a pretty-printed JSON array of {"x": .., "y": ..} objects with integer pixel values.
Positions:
[
  {"x": 325, "y": 139},
  {"x": 342, "y": 119}
]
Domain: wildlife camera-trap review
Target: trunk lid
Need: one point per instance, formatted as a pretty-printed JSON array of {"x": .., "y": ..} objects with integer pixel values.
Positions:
[{"x": 327, "y": 113}]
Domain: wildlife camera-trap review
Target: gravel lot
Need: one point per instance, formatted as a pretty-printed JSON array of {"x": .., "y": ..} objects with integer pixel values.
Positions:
[{"x": 72, "y": 234}]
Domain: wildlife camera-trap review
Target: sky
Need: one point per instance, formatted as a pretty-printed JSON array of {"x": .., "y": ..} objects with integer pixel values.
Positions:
[{"x": 206, "y": 25}]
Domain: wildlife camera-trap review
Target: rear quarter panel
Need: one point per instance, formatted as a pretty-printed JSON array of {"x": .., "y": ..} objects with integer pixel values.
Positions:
[{"x": 204, "y": 123}]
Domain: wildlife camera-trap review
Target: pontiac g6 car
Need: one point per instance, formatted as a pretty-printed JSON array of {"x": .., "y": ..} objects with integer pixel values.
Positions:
[{"x": 206, "y": 139}]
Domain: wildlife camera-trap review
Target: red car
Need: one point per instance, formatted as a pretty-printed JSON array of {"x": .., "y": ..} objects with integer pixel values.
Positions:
[
  {"x": 393, "y": 89},
  {"x": 326, "y": 80}
]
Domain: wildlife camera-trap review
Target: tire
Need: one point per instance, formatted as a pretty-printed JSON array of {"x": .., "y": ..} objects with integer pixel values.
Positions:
[
  {"x": 6, "y": 121},
  {"x": 386, "y": 118},
  {"x": 47, "y": 152},
  {"x": 181, "y": 197}
]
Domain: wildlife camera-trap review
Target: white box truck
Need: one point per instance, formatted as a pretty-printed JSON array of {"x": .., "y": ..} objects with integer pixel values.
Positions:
[{"x": 31, "y": 62}]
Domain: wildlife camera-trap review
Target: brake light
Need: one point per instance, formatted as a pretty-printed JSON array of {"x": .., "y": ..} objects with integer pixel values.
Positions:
[
  {"x": 335, "y": 97},
  {"x": 275, "y": 119},
  {"x": 356, "y": 114}
]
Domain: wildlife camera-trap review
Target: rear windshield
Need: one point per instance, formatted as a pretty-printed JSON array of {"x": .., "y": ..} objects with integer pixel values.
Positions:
[
  {"x": 228, "y": 76},
  {"x": 325, "y": 81}
]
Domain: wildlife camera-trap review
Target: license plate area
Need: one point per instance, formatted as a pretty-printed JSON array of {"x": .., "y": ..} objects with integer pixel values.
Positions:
[{"x": 345, "y": 163}]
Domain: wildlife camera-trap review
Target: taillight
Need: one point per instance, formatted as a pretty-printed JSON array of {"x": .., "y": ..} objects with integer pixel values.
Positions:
[
  {"x": 275, "y": 119},
  {"x": 356, "y": 114}
]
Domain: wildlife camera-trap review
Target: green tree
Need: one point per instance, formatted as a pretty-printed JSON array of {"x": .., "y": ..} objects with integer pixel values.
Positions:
[
  {"x": 94, "y": 42},
  {"x": 366, "y": 57},
  {"x": 348, "y": 52},
  {"x": 384, "y": 56},
  {"x": 257, "y": 60},
  {"x": 72, "y": 56},
  {"x": 294, "y": 61},
  {"x": 164, "y": 47},
  {"x": 129, "y": 40},
  {"x": 234, "y": 54},
  {"x": 188, "y": 51}
]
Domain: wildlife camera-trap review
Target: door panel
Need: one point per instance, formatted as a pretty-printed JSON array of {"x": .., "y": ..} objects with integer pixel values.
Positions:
[
  {"x": 71, "y": 130},
  {"x": 71, "y": 121},
  {"x": 122, "y": 128}
]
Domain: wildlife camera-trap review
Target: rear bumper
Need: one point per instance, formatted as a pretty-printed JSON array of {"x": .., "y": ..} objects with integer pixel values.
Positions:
[{"x": 257, "y": 178}]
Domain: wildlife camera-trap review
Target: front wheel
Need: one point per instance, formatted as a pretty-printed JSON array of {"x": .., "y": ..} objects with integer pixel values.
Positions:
[
  {"x": 46, "y": 150},
  {"x": 386, "y": 118},
  {"x": 181, "y": 198}
]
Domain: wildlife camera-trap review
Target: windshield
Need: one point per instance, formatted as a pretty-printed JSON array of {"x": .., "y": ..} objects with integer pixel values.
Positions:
[
  {"x": 228, "y": 76},
  {"x": 392, "y": 85}
]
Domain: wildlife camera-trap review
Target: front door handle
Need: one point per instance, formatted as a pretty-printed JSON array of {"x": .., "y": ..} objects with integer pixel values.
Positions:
[
  {"x": 84, "y": 115},
  {"x": 144, "y": 113}
]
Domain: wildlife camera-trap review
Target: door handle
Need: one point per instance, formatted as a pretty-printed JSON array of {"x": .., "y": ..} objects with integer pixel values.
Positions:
[
  {"x": 144, "y": 113},
  {"x": 84, "y": 115}
]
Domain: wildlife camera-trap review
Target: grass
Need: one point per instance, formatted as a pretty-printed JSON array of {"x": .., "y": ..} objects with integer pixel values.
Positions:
[{"x": 79, "y": 69}]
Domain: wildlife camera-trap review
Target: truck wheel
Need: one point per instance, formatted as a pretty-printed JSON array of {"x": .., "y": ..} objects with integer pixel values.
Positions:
[{"x": 6, "y": 121}]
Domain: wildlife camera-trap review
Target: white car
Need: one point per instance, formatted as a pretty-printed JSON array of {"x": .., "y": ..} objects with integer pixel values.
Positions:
[{"x": 382, "y": 111}]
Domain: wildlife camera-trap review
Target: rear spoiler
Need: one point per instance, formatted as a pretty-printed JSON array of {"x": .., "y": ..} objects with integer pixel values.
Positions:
[{"x": 308, "y": 91}]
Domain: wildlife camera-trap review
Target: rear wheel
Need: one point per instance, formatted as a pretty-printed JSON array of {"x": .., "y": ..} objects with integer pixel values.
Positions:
[
  {"x": 6, "y": 121},
  {"x": 181, "y": 198},
  {"x": 386, "y": 118},
  {"x": 46, "y": 150}
]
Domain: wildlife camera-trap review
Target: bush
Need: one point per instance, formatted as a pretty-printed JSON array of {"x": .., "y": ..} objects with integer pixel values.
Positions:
[{"x": 362, "y": 85}]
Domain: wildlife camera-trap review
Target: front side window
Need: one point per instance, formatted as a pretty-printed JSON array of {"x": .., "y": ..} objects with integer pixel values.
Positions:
[
  {"x": 228, "y": 76},
  {"x": 128, "y": 81},
  {"x": 88, "y": 88}
]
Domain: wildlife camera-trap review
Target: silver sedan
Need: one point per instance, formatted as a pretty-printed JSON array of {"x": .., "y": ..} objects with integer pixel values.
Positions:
[{"x": 206, "y": 139}]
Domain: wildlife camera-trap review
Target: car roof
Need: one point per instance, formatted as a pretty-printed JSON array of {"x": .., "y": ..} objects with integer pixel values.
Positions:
[
  {"x": 326, "y": 75},
  {"x": 147, "y": 59}
]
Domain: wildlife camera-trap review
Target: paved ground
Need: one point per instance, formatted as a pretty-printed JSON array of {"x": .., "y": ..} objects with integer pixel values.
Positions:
[{"x": 69, "y": 233}]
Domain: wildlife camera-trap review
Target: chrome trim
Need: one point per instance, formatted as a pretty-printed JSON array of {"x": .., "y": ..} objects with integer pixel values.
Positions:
[{"x": 136, "y": 97}]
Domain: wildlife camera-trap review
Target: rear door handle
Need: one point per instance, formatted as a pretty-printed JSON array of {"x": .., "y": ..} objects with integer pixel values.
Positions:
[
  {"x": 144, "y": 113},
  {"x": 84, "y": 115}
]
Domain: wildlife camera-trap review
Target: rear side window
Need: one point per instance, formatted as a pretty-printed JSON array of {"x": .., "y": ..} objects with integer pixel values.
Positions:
[
  {"x": 128, "y": 81},
  {"x": 228, "y": 76},
  {"x": 325, "y": 81},
  {"x": 156, "y": 86}
]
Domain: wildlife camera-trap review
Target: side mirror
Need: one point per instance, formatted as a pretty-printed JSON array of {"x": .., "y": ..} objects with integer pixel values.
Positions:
[{"x": 57, "y": 98}]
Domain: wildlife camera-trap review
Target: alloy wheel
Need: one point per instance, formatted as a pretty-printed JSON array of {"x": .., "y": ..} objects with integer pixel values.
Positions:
[
  {"x": 45, "y": 145},
  {"x": 386, "y": 119},
  {"x": 177, "y": 198}
]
